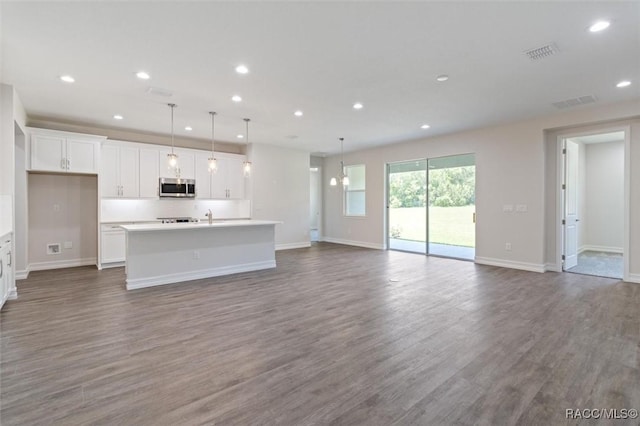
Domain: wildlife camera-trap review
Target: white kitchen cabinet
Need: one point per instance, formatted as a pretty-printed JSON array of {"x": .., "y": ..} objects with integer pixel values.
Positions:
[
  {"x": 226, "y": 183},
  {"x": 112, "y": 245},
  {"x": 149, "y": 172},
  {"x": 185, "y": 168},
  {"x": 64, "y": 152},
  {"x": 119, "y": 172}
]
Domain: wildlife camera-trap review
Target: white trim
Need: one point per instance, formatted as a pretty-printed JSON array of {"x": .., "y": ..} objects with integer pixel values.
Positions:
[
  {"x": 23, "y": 275},
  {"x": 111, "y": 265},
  {"x": 133, "y": 284},
  {"x": 633, "y": 278},
  {"x": 59, "y": 264},
  {"x": 289, "y": 246},
  {"x": 524, "y": 266},
  {"x": 354, "y": 243},
  {"x": 575, "y": 132},
  {"x": 618, "y": 250},
  {"x": 552, "y": 267},
  {"x": 13, "y": 294}
]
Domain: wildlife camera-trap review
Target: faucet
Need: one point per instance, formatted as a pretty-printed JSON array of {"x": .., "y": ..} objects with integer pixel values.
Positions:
[{"x": 210, "y": 216}]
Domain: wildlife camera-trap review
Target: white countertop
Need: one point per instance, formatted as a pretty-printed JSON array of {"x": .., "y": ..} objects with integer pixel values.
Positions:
[{"x": 199, "y": 225}]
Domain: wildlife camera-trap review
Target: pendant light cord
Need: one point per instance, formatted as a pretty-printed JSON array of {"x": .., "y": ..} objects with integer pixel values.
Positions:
[
  {"x": 172, "y": 144},
  {"x": 213, "y": 130}
]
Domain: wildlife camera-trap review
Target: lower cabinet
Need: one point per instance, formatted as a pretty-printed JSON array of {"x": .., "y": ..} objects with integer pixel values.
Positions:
[
  {"x": 112, "y": 246},
  {"x": 6, "y": 275}
]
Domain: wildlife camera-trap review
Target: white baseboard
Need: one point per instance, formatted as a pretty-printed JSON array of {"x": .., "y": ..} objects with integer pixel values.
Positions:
[
  {"x": 289, "y": 246},
  {"x": 552, "y": 267},
  {"x": 354, "y": 243},
  {"x": 524, "y": 266},
  {"x": 59, "y": 264},
  {"x": 22, "y": 275},
  {"x": 133, "y": 284},
  {"x": 13, "y": 294},
  {"x": 634, "y": 278},
  {"x": 605, "y": 249},
  {"x": 111, "y": 265}
]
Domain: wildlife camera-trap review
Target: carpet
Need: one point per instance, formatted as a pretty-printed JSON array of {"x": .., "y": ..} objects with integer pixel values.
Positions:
[{"x": 600, "y": 264}]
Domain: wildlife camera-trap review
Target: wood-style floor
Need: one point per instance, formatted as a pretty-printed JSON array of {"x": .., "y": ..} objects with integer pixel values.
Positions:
[{"x": 334, "y": 335}]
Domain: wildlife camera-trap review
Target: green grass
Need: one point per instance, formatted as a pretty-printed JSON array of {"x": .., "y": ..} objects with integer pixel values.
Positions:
[{"x": 448, "y": 225}]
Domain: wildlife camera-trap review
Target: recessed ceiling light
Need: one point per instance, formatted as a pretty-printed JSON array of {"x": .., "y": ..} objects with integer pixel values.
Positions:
[
  {"x": 298, "y": 113},
  {"x": 599, "y": 26},
  {"x": 118, "y": 117},
  {"x": 425, "y": 126},
  {"x": 236, "y": 98},
  {"x": 358, "y": 105},
  {"x": 67, "y": 79},
  {"x": 240, "y": 136},
  {"x": 624, "y": 83},
  {"x": 242, "y": 69},
  {"x": 188, "y": 128},
  {"x": 143, "y": 75},
  {"x": 442, "y": 77}
]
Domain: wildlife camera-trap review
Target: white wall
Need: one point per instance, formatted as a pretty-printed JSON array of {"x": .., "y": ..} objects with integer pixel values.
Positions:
[
  {"x": 279, "y": 190},
  {"x": 513, "y": 166},
  {"x": 62, "y": 208},
  {"x": 605, "y": 196},
  {"x": 112, "y": 210}
]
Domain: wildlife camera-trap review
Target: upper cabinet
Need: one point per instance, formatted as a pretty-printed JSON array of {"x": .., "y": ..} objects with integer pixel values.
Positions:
[
  {"x": 227, "y": 183},
  {"x": 119, "y": 171},
  {"x": 149, "y": 172},
  {"x": 64, "y": 152}
]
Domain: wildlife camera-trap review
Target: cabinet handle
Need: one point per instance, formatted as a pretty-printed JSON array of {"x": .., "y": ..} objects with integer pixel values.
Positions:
[
  {"x": 9, "y": 257},
  {"x": 63, "y": 162},
  {"x": 68, "y": 164}
]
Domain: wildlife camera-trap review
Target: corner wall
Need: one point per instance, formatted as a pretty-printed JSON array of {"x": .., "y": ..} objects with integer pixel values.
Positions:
[{"x": 279, "y": 190}]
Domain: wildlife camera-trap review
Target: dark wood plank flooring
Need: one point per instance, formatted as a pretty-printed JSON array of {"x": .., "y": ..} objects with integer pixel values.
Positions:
[{"x": 334, "y": 335}]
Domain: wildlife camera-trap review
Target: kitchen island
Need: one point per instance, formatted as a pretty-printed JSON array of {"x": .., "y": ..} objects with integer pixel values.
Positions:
[{"x": 158, "y": 254}]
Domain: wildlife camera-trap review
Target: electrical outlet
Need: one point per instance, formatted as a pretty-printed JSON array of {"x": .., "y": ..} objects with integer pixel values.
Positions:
[
  {"x": 196, "y": 255},
  {"x": 68, "y": 245},
  {"x": 53, "y": 248},
  {"x": 507, "y": 246},
  {"x": 507, "y": 208},
  {"x": 521, "y": 208},
  {"x": 56, "y": 207}
]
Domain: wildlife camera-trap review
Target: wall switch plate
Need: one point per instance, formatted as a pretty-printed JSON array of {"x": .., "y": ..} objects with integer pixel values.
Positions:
[
  {"x": 507, "y": 208},
  {"x": 521, "y": 208},
  {"x": 68, "y": 244},
  {"x": 56, "y": 207}
]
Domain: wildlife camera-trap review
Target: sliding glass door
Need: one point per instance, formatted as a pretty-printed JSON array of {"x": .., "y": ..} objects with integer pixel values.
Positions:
[
  {"x": 407, "y": 206},
  {"x": 452, "y": 199},
  {"x": 431, "y": 206}
]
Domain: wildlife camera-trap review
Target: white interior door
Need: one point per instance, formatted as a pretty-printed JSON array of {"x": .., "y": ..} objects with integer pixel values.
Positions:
[
  {"x": 314, "y": 200},
  {"x": 571, "y": 204}
]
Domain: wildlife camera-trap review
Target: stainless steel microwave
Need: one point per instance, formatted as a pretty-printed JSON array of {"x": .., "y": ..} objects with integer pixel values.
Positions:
[{"x": 177, "y": 188}]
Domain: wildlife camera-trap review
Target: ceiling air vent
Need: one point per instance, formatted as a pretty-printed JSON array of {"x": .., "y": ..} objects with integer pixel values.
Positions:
[
  {"x": 541, "y": 52},
  {"x": 159, "y": 92},
  {"x": 568, "y": 103}
]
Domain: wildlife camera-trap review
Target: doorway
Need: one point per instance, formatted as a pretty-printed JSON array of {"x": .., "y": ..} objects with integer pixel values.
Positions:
[
  {"x": 431, "y": 206},
  {"x": 315, "y": 203},
  {"x": 594, "y": 204}
]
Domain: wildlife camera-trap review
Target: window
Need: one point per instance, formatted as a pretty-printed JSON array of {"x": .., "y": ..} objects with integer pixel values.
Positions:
[{"x": 354, "y": 193}]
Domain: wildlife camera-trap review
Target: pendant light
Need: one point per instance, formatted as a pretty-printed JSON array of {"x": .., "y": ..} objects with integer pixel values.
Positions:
[
  {"x": 246, "y": 166},
  {"x": 213, "y": 163},
  {"x": 342, "y": 176},
  {"x": 172, "y": 159}
]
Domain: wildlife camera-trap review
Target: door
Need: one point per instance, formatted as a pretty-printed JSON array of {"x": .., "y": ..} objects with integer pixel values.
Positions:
[
  {"x": 149, "y": 173},
  {"x": 129, "y": 174},
  {"x": 407, "y": 206},
  {"x": 109, "y": 179},
  {"x": 203, "y": 176},
  {"x": 82, "y": 156},
  {"x": 47, "y": 153},
  {"x": 235, "y": 178},
  {"x": 451, "y": 214},
  {"x": 571, "y": 158}
]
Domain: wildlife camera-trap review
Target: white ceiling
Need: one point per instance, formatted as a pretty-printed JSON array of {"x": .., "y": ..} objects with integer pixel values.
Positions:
[{"x": 319, "y": 57}]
